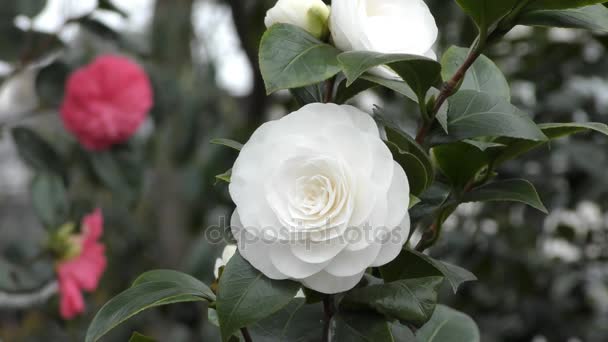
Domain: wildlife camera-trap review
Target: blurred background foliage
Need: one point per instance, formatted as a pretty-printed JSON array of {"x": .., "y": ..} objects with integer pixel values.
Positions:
[{"x": 541, "y": 278}]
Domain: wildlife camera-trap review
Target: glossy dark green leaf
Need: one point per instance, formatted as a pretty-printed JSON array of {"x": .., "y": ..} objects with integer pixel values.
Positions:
[
  {"x": 412, "y": 264},
  {"x": 137, "y": 337},
  {"x": 420, "y": 73},
  {"x": 361, "y": 327},
  {"x": 369, "y": 81},
  {"x": 514, "y": 190},
  {"x": 180, "y": 278},
  {"x": 50, "y": 83},
  {"x": 407, "y": 300},
  {"x": 560, "y": 4},
  {"x": 448, "y": 325},
  {"x": 475, "y": 114},
  {"x": 516, "y": 147},
  {"x": 449, "y": 159},
  {"x": 297, "y": 321},
  {"x": 413, "y": 167},
  {"x": 483, "y": 76},
  {"x": 228, "y": 143},
  {"x": 406, "y": 143},
  {"x": 137, "y": 299},
  {"x": 36, "y": 152},
  {"x": 50, "y": 200},
  {"x": 486, "y": 13},
  {"x": 591, "y": 18},
  {"x": 242, "y": 288},
  {"x": 292, "y": 58},
  {"x": 310, "y": 94}
]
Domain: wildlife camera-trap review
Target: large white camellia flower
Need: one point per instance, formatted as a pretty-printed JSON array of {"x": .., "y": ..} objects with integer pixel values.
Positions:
[
  {"x": 319, "y": 198},
  {"x": 310, "y": 15},
  {"x": 386, "y": 26}
]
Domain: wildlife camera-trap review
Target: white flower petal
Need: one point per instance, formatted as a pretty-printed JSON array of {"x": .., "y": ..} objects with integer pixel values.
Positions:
[
  {"x": 287, "y": 263},
  {"x": 349, "y": 263},
  {"x": 394, "y": 244},
  {"x": 326, "y": 283}
]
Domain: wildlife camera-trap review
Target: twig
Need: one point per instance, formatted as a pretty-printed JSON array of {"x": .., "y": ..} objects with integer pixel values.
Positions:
[
  {"x": 328, "y": 309},
  {"x": 328, "y": 95},
  {"x": 246, "y": 335},
  {"x": 22, "y": 300}
]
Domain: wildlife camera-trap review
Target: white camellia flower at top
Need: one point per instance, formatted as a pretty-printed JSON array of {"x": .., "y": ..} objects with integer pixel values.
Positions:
[
  {"x": 319, "y": 198},
  {"x": 227, "y": 254},
  {"x": 310, "y": 15},
  {"x": 386, "y": 26}
]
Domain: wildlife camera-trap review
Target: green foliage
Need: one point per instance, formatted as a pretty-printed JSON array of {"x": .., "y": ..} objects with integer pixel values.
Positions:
[
  {"x": 152, "y": 289},
  {"x": 411, "y": 264},
  {"x": 408, "y": 300},
  {"x": 418, "y": 72},
  {"x": 449, "y": 159},
  {"x": 487, "y": 13},
  {"x": 242, "y": 288},
  {"x": 137, "y": 337},
  {"x": 50, "y": 200},
  {"x": 483, "y": 76},
  {"x": 475, "y": 114},
  {"x": 228, "y": 143},
  {"x": 30, "y": 8},
  {"x": 361, "y": 327},
  {"x": 36, "y": 152},
  {"x": 560, "y": 4},
  {"x": 50, "y": 83},
  {"x": 297, "y": 321},
  {"x": 448, "y": 325},
  {"x": 413, "y": 167},
  {"x": 291, "y": 58},
  {"x": 515, "y": 190},
  {"x": 591, "y": 18}
]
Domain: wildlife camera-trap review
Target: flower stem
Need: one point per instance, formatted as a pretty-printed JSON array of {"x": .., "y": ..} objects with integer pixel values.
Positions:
[
  {"x": 328, "y": 96},
  {"x": 328, "y": 309}
]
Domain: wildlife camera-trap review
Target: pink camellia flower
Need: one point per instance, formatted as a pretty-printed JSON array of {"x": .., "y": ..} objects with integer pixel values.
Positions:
[
  {"x": 106, "y": 102},
  {"x": 82, "y": 271}
]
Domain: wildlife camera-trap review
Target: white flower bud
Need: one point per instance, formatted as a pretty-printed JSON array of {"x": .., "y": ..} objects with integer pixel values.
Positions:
[{"x": 310, "y": 15}]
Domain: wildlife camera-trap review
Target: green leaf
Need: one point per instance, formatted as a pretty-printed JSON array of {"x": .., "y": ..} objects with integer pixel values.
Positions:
[
  {"x": 516, "y": 147},
  {"x": 50, "y": 200},
  {"x": 561, "y": 4},
  {"x": 449, "y": 159},
  {"x": 420, "y": 73},
  {"x": 180, "y": 278},
  {"x": 593, "y": 18},
  {"x": 405, "y": 143},
  {"x": 36, "y": 152},
  {"x": 369, "y": 81},
  {"x": 448, "y": 325},
  {"x": 413, "y": 167},
  {"x": 109, "y": 6},
  {"x": 483, "y": 76},
  {"x": 242, "y": 290},
  {"x": 111, "y": 172},
  {"x": 292, "y": 58},
  {"x": 486, "y": 13},
  {"x": 407, "y": 300},
  {"x": 483, "y": 145},
  {"x": 137, "y": 299},
  {"x": 224, "y": 177},
  {"x": 361, "y": 327},
  {"x": 228, "y": 143},
  {"x": 294, "y": 322},
  {"x": 309, "y": 94},
  {"x": 513, "y": 190},
  {"x": 50, "y": 83},
  {"x": 412, "y": 264},
  {"x": 475, "y": 114},
  {"x": 137, "y": 337}
]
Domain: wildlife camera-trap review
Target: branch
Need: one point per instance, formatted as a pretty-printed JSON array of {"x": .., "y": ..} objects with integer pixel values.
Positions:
[
  {"x": 246, "y": 335},
  {"x": 328, "y": 309},
  {"x": 32, "y": 298}
]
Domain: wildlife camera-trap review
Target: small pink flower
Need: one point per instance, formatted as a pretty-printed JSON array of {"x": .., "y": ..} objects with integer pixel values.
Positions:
[
  {"x": 83, "y": 271},
  {"x": 106, "y": 102}
]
